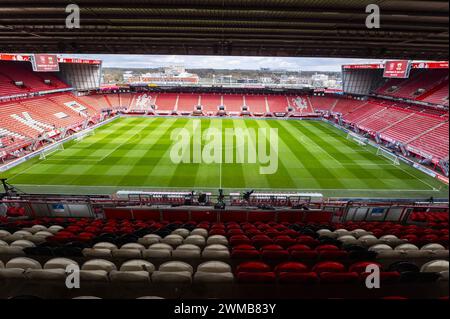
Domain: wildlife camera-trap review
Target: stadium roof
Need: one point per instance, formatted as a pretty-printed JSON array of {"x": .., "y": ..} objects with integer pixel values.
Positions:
[{"x": 410, "y": 29}]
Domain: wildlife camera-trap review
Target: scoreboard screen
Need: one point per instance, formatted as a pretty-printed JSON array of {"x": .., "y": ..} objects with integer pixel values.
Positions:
[
  {"x": 45, "y": 63},
  {"x": 397, "y": 69}
]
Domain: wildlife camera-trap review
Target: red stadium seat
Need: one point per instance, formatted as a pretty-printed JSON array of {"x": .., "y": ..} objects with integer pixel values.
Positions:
[
  {"x": 298, "y": 278},
  {"x": 253, "y": 266},
  {"x": 339, "y": 278},
  {"x": 257, "y": 278},
  {"x": 361, "y": 266},
  {"x": 328, "y": 266},
  {"x": 290, "y": 266}
]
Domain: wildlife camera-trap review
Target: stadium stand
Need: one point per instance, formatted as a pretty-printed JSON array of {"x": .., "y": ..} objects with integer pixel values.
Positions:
[
  {"x": 187, "y": 253},
  {"x": 418, "y": 127},
  {"x": 359, "y": 114},
  {"x": 384, "y": 119},
  {"x": 16, "y": 118},
  {"x": 11, "y": 72},
  {"x": 113, "y": 100},
  {"x": 97, "y": 101},
  {"x": 411, "y": 127},
  {"x": 433, "y": 141},
  {"x": 437, "y": 95},
  {"x": 187, "y": 102},
  {"x": 344, "y": 106},
  {"x": 321, "y": 103},
  {"x": 210, "y": 103},
  {"x": 166, "y": 102},
  {"x": 278, "y": 104},
  {"x": 233, "y": 103},
  {"x": 422, "y": 85},
  {"x": 68, "y": 100},
  {"x": 125, "y": 99},
  {"x": 256, "y": 104}
]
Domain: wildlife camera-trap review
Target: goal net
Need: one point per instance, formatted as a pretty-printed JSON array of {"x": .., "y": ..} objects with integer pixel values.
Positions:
[
  {"x": 82, "y": 136},
  {"x": 388, "y": 155},
  {"x": 362, "y": 141},
  {"x": 45, "y": 154}
]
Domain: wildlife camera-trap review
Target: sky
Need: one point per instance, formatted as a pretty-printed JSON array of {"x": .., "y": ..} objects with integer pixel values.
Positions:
[{"x": 222, "y": 62}]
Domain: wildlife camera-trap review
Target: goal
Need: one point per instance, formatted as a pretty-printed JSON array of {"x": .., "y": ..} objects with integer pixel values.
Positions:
[
  {"x": 388, "y": 155},
  {"x": 51, "y": 150},
  {"x": 82, "y": 136},
  {"x": 362, "y": 141}
]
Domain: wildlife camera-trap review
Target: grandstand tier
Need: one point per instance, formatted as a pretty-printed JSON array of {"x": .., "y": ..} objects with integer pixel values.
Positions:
[{"x": 12, "y": 73}]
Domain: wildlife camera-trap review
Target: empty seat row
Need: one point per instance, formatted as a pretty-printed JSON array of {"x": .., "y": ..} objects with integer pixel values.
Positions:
[
  {"x": 157, "y": 250},
  {"x": 215, "y": 271},
  {"x": 104, "y": 270},
  {"x": 334, "y": 272}
]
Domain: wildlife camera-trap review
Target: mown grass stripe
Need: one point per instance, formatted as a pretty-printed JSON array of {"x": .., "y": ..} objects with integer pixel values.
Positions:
[
  {"x": 391, "y": 176},
  {"x": 290, "y": 174},
  {"x": 100, "y": 171},
  {"x": 357, "y": 172},
  {"x": 187, "y": 174},
  {"x": 311, "y": 163},
  {"x": 251, "y": 171},
  {"x": 232, "y": 174}
]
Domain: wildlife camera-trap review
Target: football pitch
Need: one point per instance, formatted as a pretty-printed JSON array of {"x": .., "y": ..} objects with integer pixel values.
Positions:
[{"x": 136, "y": 153}]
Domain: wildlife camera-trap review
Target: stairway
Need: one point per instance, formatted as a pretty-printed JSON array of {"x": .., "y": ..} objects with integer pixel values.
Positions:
[{"x": 30, "y": 122}]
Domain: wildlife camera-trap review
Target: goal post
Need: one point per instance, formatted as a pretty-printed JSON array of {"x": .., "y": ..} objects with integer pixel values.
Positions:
[
  {"x": 388, "y": 155},
  {"x": 362, "y": 141},
  {"x": 51, "y": 150}
]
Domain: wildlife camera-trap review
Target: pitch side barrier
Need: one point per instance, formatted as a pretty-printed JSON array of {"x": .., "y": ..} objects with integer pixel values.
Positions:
[
  {"x": 328, "y": 212},
  {"x": 222, "y": 117},
  {"x": 25, "y": 158},
  {"x": 405, "y": 160}
]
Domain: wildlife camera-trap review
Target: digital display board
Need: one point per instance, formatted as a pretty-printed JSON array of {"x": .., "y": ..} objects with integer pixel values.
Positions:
[
  {"x": 45, "y": 63},
  {"x": 397, "y": 69}
]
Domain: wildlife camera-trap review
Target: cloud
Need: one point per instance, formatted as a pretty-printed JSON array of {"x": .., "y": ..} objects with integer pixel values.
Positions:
[{"x": 223, "y": 62}]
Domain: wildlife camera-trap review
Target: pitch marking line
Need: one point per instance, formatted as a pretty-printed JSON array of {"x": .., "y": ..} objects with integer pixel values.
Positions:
[
  {"x": 405, "y": 171},
  {"x": 23, "y": 171},
  {"x": 421, "y": 180}
]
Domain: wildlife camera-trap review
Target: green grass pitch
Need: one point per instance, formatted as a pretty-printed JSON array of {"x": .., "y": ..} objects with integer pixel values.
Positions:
[{"x": 134, "y": 154}]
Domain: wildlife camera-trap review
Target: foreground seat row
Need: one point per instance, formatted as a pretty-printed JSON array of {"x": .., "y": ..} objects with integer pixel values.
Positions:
[{"x": 217, "y": 271}]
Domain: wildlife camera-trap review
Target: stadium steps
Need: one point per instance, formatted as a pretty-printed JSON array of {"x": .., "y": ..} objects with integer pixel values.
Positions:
[
  {"x": 5, "y": 132},
  {"x": 29, "y": 121},
  {"x": 435, "y": 142},
  {"x": 397, "y": 122},
  {"x": 411, "y": 127},
  {"x": 334, "y": 105},
  {"x": 256, "y": 104},
  {"x": 360, "y": 107},
  {"x": 437, "y": 95},
  {"x": 425, "y": 132},
  {"x": 267, "y": 105},
  {"x": 113, "y": 99},
  {"x": 175, "y": 107},
  {"x": 311, "y": 105},
  {"x": 108, "y": 102},
  {"x": 439, "y": 86},
  {"x": 361, "y": 121}
]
